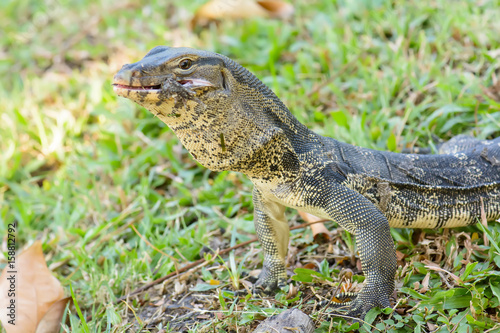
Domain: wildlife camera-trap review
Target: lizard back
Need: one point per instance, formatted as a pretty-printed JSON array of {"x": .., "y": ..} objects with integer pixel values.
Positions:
[{"x": 425, "y": 191}]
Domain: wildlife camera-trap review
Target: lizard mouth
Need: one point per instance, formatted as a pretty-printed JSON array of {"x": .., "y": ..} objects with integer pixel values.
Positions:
[
  {"x": 126, "y": 87},
  {"x": 186, "y": 83}
]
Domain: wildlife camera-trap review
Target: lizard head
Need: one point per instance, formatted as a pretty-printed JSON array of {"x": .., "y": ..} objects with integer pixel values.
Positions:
[
  {"x": 166, "y": 75},
  {"x": 220, "y": 111}
]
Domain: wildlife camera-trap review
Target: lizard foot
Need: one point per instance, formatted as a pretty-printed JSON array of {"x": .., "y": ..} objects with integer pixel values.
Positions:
[
  {"x": 269, "y": 281},
  {"x": 358, "y": 305}
]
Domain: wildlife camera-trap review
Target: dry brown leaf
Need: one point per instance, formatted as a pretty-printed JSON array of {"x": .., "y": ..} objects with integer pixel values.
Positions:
[
  {"x": 484, "y": 222},
  {"x": 346, "y": 274},
  {"x": 277, "y": 8},
  {"x": 359, "y": 266},
  {"x": 434, "y": 267},
  {"x": 320, "y": 233},
  {"x": 472, "y": 310},
  {"x": 400, "y": 258},
  {"x": 425, "y": 283},
  {"x": 51, "y": 322},
  {"x": 292, "y": 291},
  {"x": 36, "y": 291},
  {"x": 241, "y": 9},
  {"x": 247, "y": 284},
  {"x": 310, "y": 265}
]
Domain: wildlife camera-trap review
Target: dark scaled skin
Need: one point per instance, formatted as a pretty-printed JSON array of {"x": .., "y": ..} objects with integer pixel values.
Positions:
[{"x": 229, "y": 120}]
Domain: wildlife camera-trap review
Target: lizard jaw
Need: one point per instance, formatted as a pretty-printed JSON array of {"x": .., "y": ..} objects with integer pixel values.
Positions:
[{"x": 124, "y": 89}]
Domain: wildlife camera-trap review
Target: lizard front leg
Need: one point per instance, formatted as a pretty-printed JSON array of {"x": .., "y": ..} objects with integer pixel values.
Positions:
[{"x": 273, "y": 233}]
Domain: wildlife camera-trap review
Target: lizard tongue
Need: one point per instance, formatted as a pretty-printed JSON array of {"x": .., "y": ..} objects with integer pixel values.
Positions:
[{"x": 195, "y": 83}]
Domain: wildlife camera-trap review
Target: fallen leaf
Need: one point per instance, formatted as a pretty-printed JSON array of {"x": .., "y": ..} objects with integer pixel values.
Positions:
[
  {"x": 472, "y": 310},
  {"x": 425, "y": 284},
  {"x": 241, "y": 9},
  {"x": 346, "y": 273},
  {"x": 51, "y": 322},
  {"x": 400, "y": 256},
  {"x": 32, "y": 292},
  {"x": 179, "y": 287},
  {"x": 310, "y": 265},
  {"x": 484, "y": 222},
  {"x": 359, "y": 266},
  {"x": 160, "y": 302},
  {"x": 292, "y": 291},
  {"x": 434, "y": 267},
  {"x": 320, "y": 233},
  {"x": 401, "y": 311},
  {"x": 255, "y": 273},
  {"x": 277, "y": 8},
  {"x": 247, "y": 284},
  {"x": 431, "y": 327}
]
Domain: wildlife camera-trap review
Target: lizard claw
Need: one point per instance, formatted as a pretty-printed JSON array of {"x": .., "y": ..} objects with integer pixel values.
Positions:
[
  {"x": 355, "y": 309},
  {"x": 358, "y": 305}
]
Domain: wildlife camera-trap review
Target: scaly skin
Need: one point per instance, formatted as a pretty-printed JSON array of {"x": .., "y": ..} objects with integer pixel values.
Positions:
[{"x": 228, "y": 120}]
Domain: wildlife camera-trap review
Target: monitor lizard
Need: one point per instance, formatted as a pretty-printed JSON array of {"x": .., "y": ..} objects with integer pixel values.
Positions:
[{"x": 229, "y": 120}]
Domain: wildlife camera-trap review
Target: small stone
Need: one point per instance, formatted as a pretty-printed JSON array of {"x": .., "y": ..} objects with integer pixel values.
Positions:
[{"x": 291, "y": 320}]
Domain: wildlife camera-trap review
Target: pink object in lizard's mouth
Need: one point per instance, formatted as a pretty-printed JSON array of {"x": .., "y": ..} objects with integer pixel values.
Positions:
[
  {"x": 187, "y": 83},
  {"x": 195, "y": 83}
]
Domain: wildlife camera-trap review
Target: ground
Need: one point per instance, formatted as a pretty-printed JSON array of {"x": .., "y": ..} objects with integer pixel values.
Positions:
[{"x": 118, "y": 202}]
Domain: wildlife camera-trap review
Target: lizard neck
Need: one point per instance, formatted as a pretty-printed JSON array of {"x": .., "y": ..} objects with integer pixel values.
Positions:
[
  {"x": 248, "y": 130},
  {"x": 264, "y": 102}
]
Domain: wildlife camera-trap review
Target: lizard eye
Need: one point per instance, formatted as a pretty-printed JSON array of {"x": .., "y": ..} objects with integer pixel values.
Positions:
[{"x": 185, "y": 64}]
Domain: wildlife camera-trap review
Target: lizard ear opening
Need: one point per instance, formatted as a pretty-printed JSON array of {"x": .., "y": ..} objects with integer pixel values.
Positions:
[{"x": 224, "y": 80}]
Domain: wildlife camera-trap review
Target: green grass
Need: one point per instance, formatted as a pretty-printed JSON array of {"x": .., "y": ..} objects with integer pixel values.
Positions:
[{"x": 79, "y": 166}]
